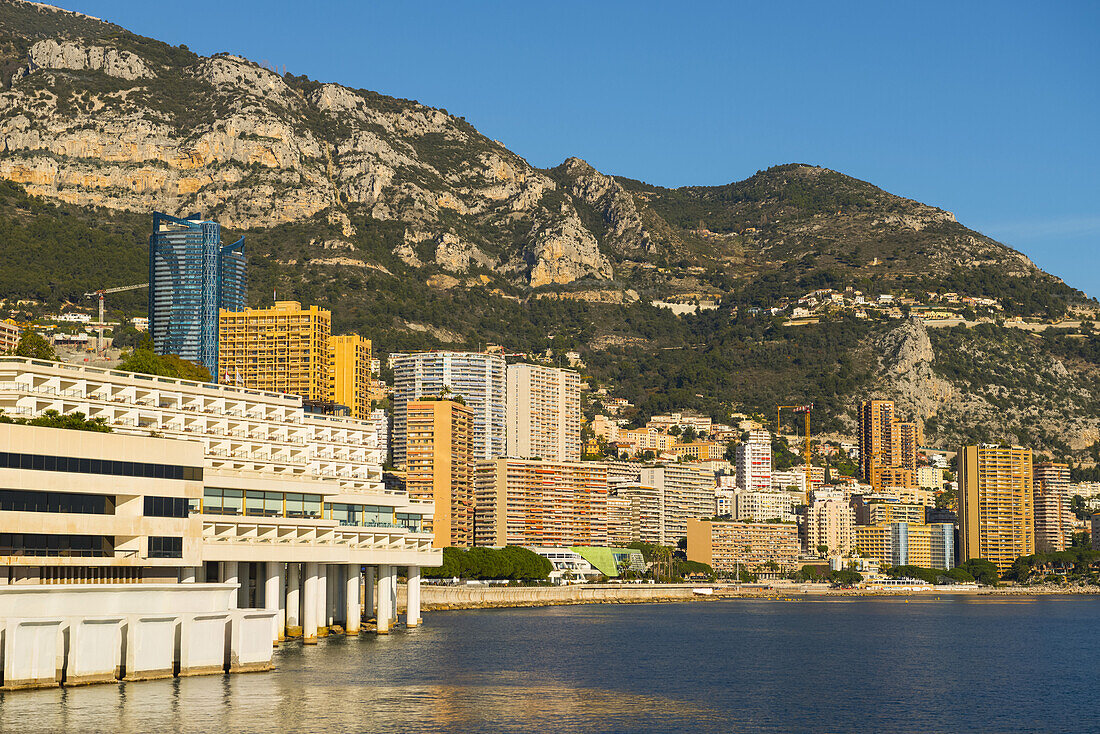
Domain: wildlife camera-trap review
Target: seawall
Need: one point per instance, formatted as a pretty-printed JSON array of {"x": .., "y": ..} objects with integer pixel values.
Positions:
[
  {"x": 478, "y": 597},
  {"x": 441, "y": 598}
]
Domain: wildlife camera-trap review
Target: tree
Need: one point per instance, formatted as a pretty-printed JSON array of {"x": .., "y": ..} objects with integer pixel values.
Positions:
[
  {"x": 983, "y": 571},
  {"x": 845, "y": 577},
  {"x": 52, "y": 419},
  {"x": 34, "y": 345},
  {"x": 147, "y": 362},
  {"x": 822, "y": 550},
  {"x": 688, "y": 435}
]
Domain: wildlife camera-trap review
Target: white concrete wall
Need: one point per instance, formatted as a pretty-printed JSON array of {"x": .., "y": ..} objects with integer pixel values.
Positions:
[{"x": 98, "y": 633}]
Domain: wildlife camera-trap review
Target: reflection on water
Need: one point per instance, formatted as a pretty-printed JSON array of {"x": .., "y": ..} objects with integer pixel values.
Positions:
[{"x": 835, "y": 664}]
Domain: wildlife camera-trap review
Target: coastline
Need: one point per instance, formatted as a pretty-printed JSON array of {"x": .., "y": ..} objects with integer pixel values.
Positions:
[{"x": 448, "y": 598}]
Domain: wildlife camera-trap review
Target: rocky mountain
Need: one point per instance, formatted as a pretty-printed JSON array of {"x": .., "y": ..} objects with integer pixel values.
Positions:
[{"x": 420, "y": 231}]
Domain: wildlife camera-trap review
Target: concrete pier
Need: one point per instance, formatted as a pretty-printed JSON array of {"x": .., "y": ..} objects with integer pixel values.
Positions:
[
  {"x": 95, "y": 650},
  {"x": 352, "y": 611},
  {"x": 384, "y": 617},
  {"x": 127, "y": 631},
  {"x": 309, "y": 604}
]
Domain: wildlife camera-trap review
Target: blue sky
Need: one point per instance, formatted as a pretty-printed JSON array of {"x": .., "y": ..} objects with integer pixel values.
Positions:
[{"x": 989, "y": 110}]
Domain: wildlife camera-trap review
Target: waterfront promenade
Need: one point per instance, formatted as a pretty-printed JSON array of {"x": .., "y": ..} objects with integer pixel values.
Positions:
[{"x": 462, "y": 596}]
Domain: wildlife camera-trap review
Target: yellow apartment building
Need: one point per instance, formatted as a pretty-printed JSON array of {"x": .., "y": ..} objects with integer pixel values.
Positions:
[
  {"x": 351, "y": 381},
  {"x": 439, "y": 467},
  {"x": 280, "y": 349},
  {"x": 996, "y": 513}
]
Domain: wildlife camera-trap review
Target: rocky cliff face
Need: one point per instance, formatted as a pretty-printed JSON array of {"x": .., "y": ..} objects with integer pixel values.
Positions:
[
  {"x": 95, "y": 116},
  {"x": 982, "y": 386},
  {"x": 93, "y": 125}
]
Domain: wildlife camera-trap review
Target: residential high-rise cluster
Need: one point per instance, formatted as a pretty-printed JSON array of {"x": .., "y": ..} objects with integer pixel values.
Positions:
[
  {"x": 490, "y": 453},
  {"x": 887, "y": 446},
  {"x": 290, "y": 349}
]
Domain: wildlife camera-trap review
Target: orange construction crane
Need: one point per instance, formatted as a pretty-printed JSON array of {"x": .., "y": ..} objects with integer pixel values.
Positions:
[{"x": 807, "y": 454}]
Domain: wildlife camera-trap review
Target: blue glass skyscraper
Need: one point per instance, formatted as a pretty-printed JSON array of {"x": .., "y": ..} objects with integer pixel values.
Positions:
[{"x": 191, "y": 276}]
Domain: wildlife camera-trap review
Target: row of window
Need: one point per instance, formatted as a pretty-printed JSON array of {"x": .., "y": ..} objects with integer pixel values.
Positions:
[
  {"x": 39, "y": 462},
  {"x": 39, "y": 544},
  {"x": 166, "y": 506},
  {"x": 165, "y": 547},
  {"x": 13, "y": 500},
  {"x": 218, "y": 501}
]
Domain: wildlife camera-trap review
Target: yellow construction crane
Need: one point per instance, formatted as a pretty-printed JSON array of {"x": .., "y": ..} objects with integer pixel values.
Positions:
[
  {"x": 807, "y": 454},
  {"x": 99, "y": 348}
]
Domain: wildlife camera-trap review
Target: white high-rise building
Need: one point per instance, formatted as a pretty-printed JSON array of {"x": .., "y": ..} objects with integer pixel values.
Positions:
[
  {"x": 478, "y": 378},
  {"x": 753, "y": 506},
  {"x": 830, "y": 522},
  {"x": 543, "y": 413},
  {"x": 684, "y": 492},
  {"x": 754, "y": 462}
]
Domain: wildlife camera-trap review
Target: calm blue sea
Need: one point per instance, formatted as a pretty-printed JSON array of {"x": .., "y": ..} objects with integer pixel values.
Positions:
[{"x": 1016, "y": 664}]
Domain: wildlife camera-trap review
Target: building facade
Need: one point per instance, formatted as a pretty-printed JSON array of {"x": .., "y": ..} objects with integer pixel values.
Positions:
[
  {"x": 291, "y": 503},
  {"x": 547, "y": 503},
  {"x": 1054, "y": 520},
  {"x": 281, "y": 349},
  {"x": 191, "y": 277},
  {"x": 440, "y": 468},
  {"x": 884, "y": 441},
  {"x": 908, "y": 544},
  {"x": 996, "y": 510},
  {"x": 351, "y": 379},
  {"x": 830, "y": 523},
  {"x": 476, "y": 377},
  {"x": 754, "y": 462},
  {"x": 684, "y": 492},
  {"x": 10, "y": 333},
  {"x": 752, "y": 506},
  {"x": 767, "y": 549},
  {"x": 543, "y": 413}
]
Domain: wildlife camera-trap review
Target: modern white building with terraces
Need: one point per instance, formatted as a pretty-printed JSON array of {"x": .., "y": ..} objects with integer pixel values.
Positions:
[{"x": 292, "y": 507}]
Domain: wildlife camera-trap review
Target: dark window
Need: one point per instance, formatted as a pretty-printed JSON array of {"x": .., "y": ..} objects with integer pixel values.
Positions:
[
  {"x": 36, "y": 544},
  {"x": 22, "y": 501},
  {"x": 165, "y": 547},
  {"x": 40, "y": 462},
  {"x": 166, "y": 506}
]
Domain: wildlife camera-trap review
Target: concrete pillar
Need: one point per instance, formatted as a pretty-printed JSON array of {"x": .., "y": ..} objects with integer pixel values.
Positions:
[
  {"x": 331, "y": 589},
  {"x": 352, "y": 615},
  {"x": 273, "y": 593},
  {"x": 393, "y": 594},
  {"x": 412, "y": 598},
  {"x": 188, "y": 575},
  {"x": 385, "y": 610},
  {"x": 229, "y": 574},
  {"x": 369, "y": 591},
  {"x": 321, "y": 600},
  {"x": 280, "y": 618},
  {"x": 293, "y": 595},
  {"x": 310, "y": 607}
]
